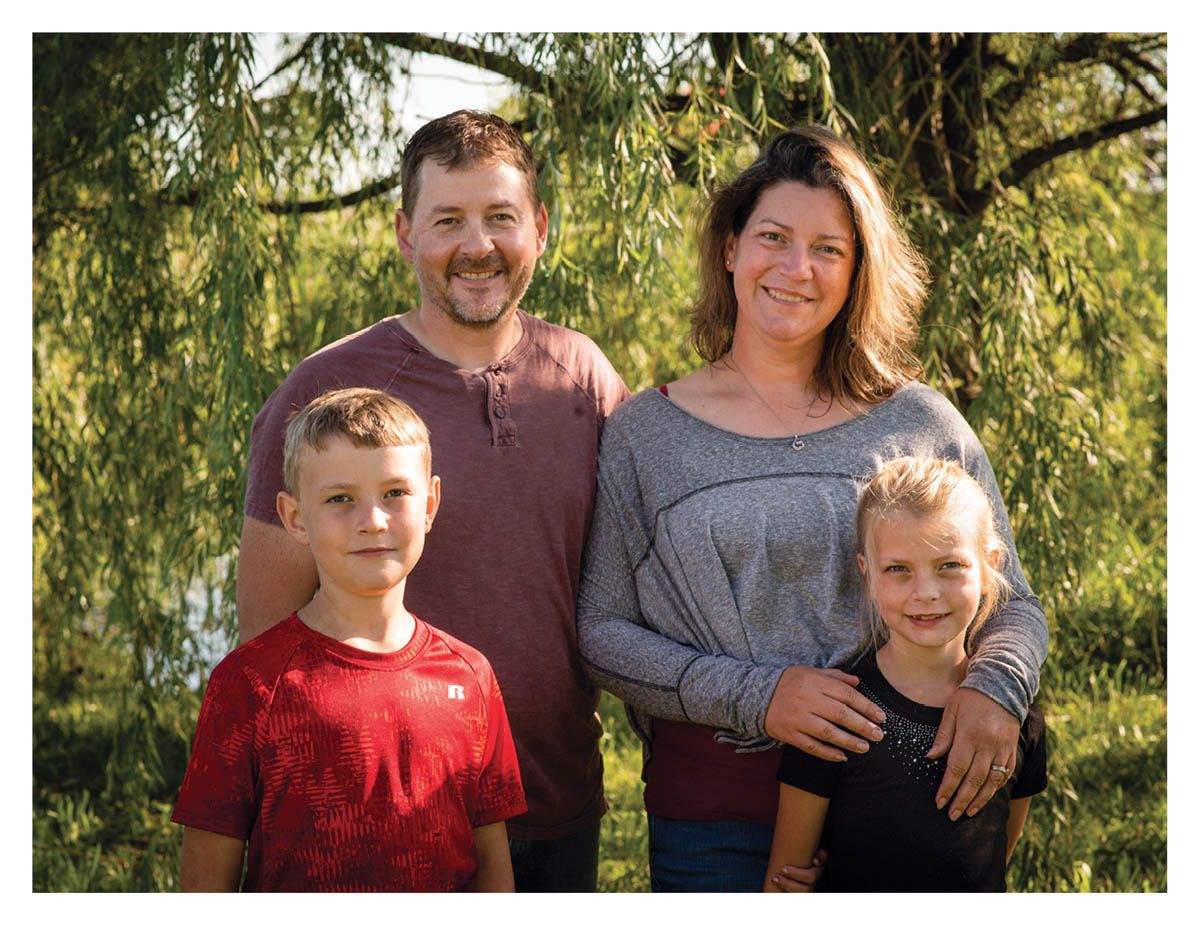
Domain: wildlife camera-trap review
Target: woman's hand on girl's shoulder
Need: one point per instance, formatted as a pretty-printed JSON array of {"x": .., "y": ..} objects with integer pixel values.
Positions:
[
  {"x": 818, "y": 710},
  {"x": 981, "y": 738}
]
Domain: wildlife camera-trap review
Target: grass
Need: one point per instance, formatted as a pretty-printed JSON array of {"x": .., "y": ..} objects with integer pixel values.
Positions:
[
  {"x": 101, "y": 821},
  {"x": 1102, "y": 824}
]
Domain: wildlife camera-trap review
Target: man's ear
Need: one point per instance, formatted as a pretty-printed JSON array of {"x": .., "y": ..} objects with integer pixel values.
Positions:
[
  {"x": 289, "y": 512},
  {"x": 432, "y": 499},
  {"x": 404, "y": 234},
  {"x": 542, "y": 222}
]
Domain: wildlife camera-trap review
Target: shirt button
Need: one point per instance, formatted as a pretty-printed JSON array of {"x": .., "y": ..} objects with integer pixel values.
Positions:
[{"x": 499, "y": 412}]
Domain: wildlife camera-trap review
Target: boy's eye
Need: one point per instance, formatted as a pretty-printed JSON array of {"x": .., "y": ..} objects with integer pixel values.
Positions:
[
  {"x": 337, "y": 499},
  {"x": 397, "y": 493}
]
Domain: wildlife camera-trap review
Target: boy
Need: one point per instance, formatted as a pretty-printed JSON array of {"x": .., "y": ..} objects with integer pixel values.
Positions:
[{"x": 352, "y": 746}]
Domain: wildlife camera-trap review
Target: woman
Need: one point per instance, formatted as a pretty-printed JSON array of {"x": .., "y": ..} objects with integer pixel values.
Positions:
[{"x": 719, "y": 581}]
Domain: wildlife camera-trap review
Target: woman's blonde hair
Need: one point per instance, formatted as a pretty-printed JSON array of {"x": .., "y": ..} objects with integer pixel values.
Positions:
[
  {"x": 922, "y": 488},
  {"x": 868, "y": 345}
]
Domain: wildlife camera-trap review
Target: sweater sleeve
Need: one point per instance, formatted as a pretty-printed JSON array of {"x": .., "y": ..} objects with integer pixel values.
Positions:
[
  {"x": 1012, "y": 645},
  {"x": 621, "y": 649}
]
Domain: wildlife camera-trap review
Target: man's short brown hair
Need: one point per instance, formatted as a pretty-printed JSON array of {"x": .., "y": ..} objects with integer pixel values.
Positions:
[
  {"x": 368, "y": 417},
  {"x": 463, "y": 139}
]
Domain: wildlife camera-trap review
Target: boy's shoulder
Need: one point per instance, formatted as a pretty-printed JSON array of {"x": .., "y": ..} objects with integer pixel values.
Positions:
[
  {"x": 455, "y": 648},
  {"x": 258, "y": 662}
]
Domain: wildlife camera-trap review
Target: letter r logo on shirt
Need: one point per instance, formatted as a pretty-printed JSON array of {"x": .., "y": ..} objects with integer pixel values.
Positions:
[{"x": 455, "y": 692}]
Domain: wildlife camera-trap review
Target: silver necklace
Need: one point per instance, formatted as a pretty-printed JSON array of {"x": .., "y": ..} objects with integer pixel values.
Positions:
[{"x": 797, "y": 443}]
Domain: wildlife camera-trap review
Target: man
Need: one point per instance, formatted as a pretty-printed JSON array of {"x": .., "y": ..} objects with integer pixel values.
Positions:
[{"x": 514, "y": 407}]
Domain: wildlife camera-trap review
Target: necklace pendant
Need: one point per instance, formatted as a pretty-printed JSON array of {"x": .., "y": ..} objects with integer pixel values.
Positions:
[{"x": 797, "y": 443}]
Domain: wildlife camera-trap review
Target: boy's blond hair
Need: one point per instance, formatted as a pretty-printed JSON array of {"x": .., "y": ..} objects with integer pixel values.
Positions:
[
  {"x": 923, "y": 488},
  {"x": 368, "y": 417}
]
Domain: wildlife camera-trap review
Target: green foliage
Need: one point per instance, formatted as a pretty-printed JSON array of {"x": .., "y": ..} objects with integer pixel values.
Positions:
[
  {"x": 104, "y": 786},
  {"x": 1102, "y": 824},
  {"x": 1100, "y": 827},
  {"x": 189, "y": 248},
  {"x": 623, "y": 859}
]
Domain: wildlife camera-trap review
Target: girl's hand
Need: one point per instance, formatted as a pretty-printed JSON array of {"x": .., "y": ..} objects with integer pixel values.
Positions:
[
  {"x": 979, "y": 734},
  {"x": 812, "y": 709},
  {"x": 798, "y": 879}
]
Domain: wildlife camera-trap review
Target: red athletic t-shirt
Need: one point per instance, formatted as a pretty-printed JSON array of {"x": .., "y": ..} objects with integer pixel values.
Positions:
[{"x": 352, "y": 770}]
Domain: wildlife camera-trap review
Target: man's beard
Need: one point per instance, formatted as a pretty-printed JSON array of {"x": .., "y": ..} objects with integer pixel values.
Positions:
[{"x": 473, "y": 313}]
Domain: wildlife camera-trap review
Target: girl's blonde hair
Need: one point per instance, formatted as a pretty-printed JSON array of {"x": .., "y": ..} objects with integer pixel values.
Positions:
[
  {"x": 922, "y": 488},
  {"x": 868, "y": 350}
]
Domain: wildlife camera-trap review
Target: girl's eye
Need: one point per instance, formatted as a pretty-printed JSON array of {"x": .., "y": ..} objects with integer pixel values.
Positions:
[
  {"x": 772, "y": 236},
  {"x": 900, "y": 569},
  {"x": 952, "y": 565}
]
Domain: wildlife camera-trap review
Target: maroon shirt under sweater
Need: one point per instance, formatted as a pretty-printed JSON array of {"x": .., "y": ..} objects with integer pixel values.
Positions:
[{"x": 515, "y": 447}]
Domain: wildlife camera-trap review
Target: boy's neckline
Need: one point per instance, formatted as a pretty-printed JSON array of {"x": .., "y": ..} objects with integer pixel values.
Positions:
[
  {"x": 399, "y": 631},
  {"x": 363, "y": 658}
]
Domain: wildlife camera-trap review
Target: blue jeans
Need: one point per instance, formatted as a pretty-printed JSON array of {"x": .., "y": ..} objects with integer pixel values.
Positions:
[
  {"x": 557, "y": 865},
  {"x": 725, "y": 856}
]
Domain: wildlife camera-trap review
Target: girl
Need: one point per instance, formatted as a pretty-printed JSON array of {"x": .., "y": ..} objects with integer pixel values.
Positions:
[{"x": 931, "y": 562}]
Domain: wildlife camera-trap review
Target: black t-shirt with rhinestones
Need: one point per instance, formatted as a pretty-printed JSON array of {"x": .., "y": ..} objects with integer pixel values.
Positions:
[{"x": 883, "y": 831}]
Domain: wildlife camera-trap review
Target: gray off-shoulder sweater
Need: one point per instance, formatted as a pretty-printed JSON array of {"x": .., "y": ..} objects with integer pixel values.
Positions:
[{"x": 716, "y": 560}]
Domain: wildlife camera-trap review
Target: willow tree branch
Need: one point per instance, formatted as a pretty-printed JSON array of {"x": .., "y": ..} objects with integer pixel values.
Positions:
[
  {"x": 1027, "y": 163},
  {"x": 504, "y": 65},
  {"x": 301, "y": 52},
  {"x": 370, "y": 191},
  {"x": 1089, "y": 48}
]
